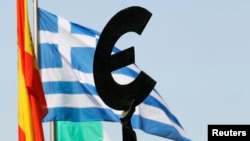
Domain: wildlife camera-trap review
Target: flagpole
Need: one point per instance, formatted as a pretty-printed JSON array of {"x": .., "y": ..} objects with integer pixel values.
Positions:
[
  {"x": 52, "y": 131},
  {"x": 35, "y": 24},
  {"x": 36, "y": 36}
]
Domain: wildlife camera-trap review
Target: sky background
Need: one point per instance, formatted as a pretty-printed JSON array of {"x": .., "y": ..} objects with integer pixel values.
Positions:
[{"x": 197, "y": 51}]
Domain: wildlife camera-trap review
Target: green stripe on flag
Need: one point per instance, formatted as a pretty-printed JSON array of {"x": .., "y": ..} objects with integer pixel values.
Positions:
[{"x": 79, "y": 131}]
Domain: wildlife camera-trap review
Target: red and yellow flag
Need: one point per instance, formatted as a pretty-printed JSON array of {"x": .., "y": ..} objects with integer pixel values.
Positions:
[{"x": 31, "y": 101}]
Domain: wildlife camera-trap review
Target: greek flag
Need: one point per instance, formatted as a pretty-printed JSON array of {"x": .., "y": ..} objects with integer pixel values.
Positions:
[{"x": 65, "y": 54}]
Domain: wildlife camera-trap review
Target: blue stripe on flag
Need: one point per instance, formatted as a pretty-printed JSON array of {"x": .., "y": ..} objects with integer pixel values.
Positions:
[
  {"x": 80, "y": 114},
  {"x": 115, "y": 50},
  {"x": 150, "y": 100},
  {"x": 70, "y": 87},
  {"x": 75, "y": 28},
  {"x": 126, "y": 71},
  {"x": 162, "y": 129}
]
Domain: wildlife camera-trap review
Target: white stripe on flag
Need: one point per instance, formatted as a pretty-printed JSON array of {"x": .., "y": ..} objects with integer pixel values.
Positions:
[
  {"x": 59, "y": 74},
  {"x": 75, "y": 100}
]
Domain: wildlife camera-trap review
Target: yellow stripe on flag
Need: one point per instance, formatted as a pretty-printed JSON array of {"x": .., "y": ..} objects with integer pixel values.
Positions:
[{"x": 28, "y": 44}]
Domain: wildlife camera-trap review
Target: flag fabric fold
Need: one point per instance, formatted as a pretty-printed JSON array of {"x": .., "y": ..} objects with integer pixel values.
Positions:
[
  {"x": 31, "y": 100},
  {"x": 66, "y": 52}
]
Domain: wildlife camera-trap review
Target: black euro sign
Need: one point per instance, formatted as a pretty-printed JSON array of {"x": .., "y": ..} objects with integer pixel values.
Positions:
[{"x": 115, "y": 95}]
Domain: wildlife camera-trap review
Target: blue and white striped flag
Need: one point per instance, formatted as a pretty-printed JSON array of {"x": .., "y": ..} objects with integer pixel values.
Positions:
[{"x": 66, "y": 52}]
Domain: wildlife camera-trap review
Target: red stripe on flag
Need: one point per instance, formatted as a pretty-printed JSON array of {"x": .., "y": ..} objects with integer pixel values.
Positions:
[
  {"x": 21, "y": 135},
  {"x": 34, "y": 85}
]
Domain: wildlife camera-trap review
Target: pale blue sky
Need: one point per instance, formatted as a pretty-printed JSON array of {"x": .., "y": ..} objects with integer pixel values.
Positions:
[{"x": 197, "y": 51}]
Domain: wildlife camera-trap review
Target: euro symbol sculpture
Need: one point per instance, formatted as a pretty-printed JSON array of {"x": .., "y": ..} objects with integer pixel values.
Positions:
[{"x": 127, "y": 96}]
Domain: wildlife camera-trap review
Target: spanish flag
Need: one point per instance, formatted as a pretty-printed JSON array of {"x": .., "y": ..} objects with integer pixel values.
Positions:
[{"x": 31, "y": 101}]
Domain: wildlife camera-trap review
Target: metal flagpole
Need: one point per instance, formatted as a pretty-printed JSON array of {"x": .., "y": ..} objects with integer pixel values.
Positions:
[
  {"x": 52, "y": 131},
  {"x": 35, "y": 24},
  {"x": 36, "y": 36}
]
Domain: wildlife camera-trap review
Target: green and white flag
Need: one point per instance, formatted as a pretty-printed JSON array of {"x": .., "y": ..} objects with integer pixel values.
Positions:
[{"x": 80, "y": 131}]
